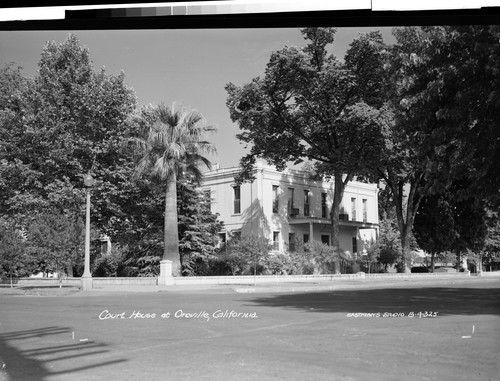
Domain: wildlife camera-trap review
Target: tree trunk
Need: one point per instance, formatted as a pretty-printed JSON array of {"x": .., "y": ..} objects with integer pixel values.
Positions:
[
  {"x": 406, "y": 252},
  {"x": 338, "y": 193},
  {"x": 171, "y": 240},
  {"x": 433, "y": 255}
]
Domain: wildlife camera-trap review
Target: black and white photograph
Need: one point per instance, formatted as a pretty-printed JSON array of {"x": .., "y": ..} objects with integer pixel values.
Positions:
[{"x": 249, "y": 190}]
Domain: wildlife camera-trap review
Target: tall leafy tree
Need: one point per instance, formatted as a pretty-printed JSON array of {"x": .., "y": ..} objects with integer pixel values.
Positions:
[
  {"x": 171, "y": 144},
  {"x": 56, "y": 240},
  {"x": 67, "y": 120},
  {"x": 492, "y": 243},
  {"x": 311, "y": 106},
  {"x": 198, "y": 229},
  {"x": 445, "y": 100},
  {"x": 471, "y": 224},
  {"x": 14, "y": 259},
  {"x": 444, "y": 91},
  {"x": 64, "y": 122},
  {"x": 434, "y": 227}
]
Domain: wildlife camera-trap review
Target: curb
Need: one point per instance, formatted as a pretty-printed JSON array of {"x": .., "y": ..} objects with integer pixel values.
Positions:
[
  {"x": 364, "y": 284},
  {"x": 241, "y": 288}
]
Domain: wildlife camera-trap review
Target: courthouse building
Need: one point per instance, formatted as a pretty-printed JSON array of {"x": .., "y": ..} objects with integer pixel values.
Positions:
[{"x": 289, "y": 206}]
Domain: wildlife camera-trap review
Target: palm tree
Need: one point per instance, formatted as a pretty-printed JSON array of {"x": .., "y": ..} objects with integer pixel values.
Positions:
[{"x": 172, "y": 146}]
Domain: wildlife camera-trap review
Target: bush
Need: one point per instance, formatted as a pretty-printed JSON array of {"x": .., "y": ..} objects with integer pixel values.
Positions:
[
  {"x": 279, "y": 264},
  {"x": 246, "y": 255},
  {"x": 109, "y": 264},
  {"x": 312, "y": 258}
]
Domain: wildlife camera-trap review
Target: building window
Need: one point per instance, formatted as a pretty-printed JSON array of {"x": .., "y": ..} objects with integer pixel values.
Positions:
[
  {"x": 354, "y": 245},
  {"x": 291, "y": 204},
  {"x": 324, "y": 210},
  {"x": 306, "y": 238},
  {"x": 365, "y": 210},
  {"x": 325, "y": 239},
  {"x": 275, "y": 199},
  {"x": 276, "y": 241},
  {"x": 291, "y": 242},
  {"x": 353, "y": 209},
  {"x": 306, "y": 202},
  {"x": 237, "y": 200},
  {"x": 222, "y": 239}
]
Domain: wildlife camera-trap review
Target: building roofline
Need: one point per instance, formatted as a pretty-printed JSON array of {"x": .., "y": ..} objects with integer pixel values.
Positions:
[{"x": 270, "y": 169}]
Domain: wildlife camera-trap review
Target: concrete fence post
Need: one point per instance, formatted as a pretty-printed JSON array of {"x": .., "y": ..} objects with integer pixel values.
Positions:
[{"x": 166, "y": 278}]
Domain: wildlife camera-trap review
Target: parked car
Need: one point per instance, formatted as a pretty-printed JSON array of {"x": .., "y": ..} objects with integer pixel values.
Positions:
[
  {"x": 445, "y": 270},
  {"x": 419, "y": 269}
]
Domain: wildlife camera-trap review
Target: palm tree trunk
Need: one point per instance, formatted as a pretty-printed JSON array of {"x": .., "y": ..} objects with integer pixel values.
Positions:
[{"x": 171, "y": 238}]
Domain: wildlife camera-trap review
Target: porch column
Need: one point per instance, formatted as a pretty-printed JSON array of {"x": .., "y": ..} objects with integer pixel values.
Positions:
[
  {"x": 311, "y": 231},
  {"x": 358, "y": 242}
]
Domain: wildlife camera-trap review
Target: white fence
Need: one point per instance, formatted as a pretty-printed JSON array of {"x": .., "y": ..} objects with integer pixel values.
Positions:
[{"x": 232, "y": 280}]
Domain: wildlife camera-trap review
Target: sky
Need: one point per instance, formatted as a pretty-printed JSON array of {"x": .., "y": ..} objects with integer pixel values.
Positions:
[{"x": 187, "y": 66}]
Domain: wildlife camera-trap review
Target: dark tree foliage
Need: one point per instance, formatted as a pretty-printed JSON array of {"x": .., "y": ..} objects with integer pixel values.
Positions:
[
  {"x": 452, "y": 100},
  {"x": 434, "y": 227},
  {"x": 198, "y": 229},
  {"x": 449, "y": 222},
  {"x": 444, "y": 85},
  {"x": 15, "y": 261},
  {"x": 56, "y": 241},
  {"x": 389, "y": 243}
]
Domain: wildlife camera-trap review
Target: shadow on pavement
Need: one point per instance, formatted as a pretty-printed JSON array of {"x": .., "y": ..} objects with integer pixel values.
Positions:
[
  {"x": 34, "y": 354},
  {"x": 443, "y": 300}
]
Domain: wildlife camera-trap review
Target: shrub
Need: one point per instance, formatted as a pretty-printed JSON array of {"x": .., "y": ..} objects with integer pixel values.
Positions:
[
  {"x": 312, "y": 258},
  {"x": 279, "y": 264},
  {"x": 111, "y": 263}
]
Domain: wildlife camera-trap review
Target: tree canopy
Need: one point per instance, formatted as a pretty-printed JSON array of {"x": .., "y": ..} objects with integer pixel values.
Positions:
[
  {"x": 443, "y": 88},
  {"x": 62, "y": 123},
  {"x": 69, "y": 120},
  {"x": 310, "y": 106}
]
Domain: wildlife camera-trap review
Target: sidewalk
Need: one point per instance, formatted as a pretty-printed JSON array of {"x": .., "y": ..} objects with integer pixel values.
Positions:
[{"x": 338, "y": 284}]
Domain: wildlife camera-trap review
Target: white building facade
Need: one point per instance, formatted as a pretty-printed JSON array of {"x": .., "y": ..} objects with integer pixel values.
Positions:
[{"x": 289, "y": 206}]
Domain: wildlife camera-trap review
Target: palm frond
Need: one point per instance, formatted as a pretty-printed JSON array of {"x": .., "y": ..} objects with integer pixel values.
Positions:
[
  {"x": 174, "y": 141},
  {"x": 142, "y": 166}
]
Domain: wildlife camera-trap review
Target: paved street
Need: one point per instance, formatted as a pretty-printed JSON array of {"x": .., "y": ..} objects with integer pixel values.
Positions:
[{"x": 431, "y": 331}]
